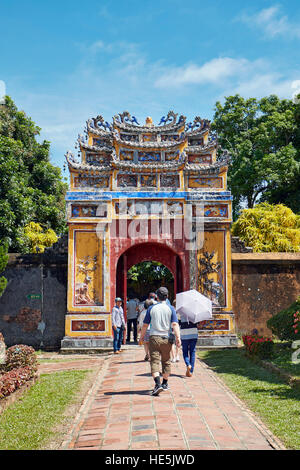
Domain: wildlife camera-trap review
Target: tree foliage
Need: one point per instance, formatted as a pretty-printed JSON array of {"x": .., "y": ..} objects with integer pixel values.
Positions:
[
  {"x": 31, "y": 188},
  {"x": 268, "y": 227},
  {"x": 35, "y": 239},
  {"x": 3, "y": 263},
  {"x": 148, "y": 276},
  {"x": 263, "y": 137}
]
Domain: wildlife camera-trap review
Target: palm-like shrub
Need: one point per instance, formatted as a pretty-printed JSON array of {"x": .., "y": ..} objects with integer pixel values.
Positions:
[{"x": 268, "y": 228}]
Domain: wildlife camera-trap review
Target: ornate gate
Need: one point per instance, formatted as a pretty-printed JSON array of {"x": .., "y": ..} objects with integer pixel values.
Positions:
[{"x": 147, "y": 192}]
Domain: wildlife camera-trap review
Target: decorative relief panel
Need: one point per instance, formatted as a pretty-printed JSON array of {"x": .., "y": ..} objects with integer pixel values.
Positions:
[
  {"x": 214, "y": 325},
  {"x": 169, "y": 156},
  {"x": 98, "y": 142},
  {"x": 169, "y": 137},
  {"x": 126, "y": 155},
  {"x": 149, "y": 156},
  {"x": 88, "y": 269},
  {"x": 125, "y": 180},
  {"x": 95, "y": 158},
  {"x": 169, "y": 181},
  {"x": 195, "y": 141},
  {"x": 88, "y": 325},
  {"x": 212, "y": 210},
  {"x": 174, "y": 208},
  {"x": 200, "y": 159},
  {"x": 130, "y": 137},
  {"x": 148, "y": 181},
  {"x": 149, "y": 138},
  {"x": 204, "y": 182},
  {"x": 91, "y": 181},
  {"x": 89, "y": 210},
  {"x": 139, "y": 207},
  {"x": 216, "y": 211}
]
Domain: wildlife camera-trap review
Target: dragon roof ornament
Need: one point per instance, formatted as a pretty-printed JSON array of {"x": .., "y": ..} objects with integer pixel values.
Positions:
[
  {"x": 167, "y": 123},
  {"x": 199, "y": 125},
  {"x": 99, "y": 126}
]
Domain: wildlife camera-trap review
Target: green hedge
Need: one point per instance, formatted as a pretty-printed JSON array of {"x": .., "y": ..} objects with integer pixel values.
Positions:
[{"x": 281, "y": 324}]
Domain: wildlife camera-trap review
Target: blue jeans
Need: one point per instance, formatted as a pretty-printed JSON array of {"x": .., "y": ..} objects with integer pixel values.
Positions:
[
  {"x": 118, "y": 338},
  {"x": 189, "y": 352}
]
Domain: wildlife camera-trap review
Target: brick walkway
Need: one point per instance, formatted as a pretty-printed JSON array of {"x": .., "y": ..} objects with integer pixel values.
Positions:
[
  {"x": 88, "y": 363},
  {"x": 196, "y": 413}
]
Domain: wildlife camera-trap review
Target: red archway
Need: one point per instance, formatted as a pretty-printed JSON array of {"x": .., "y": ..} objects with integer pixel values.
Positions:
[{"x": 148, "y": 252}]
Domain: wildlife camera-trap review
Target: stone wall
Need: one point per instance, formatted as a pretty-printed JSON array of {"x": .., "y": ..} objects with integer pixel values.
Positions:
[
  {"x": 263, "y": 284},
  {"x": 33, "y": 306}
]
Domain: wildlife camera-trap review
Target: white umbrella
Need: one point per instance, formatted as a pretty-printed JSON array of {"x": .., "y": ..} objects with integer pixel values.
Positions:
[{"x": 195, "y": 306}]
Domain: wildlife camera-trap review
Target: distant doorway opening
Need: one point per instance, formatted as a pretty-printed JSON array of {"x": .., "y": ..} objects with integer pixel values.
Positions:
[{"x": 146, "y": 277}]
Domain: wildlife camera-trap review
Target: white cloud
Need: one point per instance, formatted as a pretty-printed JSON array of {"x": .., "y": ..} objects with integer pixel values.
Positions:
[
  {"x": 214, "y": 71},
  {"x": 112, "y": 77},
  {"x": 272, "y": 23}
]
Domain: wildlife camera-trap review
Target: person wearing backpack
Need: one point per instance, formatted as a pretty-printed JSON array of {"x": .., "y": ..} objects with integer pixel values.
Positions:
[{"x": 162, "y": 319}]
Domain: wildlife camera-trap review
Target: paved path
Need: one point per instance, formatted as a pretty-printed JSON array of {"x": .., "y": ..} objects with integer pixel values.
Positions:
[
  {"x": 70, "y": 364},
  {"x": 197, "y": 412}
]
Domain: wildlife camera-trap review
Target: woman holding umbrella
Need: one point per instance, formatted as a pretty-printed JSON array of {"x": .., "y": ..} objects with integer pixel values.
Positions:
[
  {"x": 189, "y": 337},
  {"x": 192, "y": 307}
]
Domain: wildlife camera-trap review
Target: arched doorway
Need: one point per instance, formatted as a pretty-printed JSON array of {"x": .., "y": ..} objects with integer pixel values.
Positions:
[
  {"x": 146, "y": 277},
  {"x": 147, "y": 252}
]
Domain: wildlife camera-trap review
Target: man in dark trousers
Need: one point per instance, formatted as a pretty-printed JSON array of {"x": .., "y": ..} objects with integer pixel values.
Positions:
[
  {"x": 118, "y": 324},
  {"x": 162, "y": 319},
  {"x": 132, "y": 314}
]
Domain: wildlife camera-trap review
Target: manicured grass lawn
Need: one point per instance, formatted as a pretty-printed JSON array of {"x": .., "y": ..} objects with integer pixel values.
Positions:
[
  {"x": 283, "y": 359},
  {"x": 277, "y": 404},
  {"x": 29, "y": 423}
]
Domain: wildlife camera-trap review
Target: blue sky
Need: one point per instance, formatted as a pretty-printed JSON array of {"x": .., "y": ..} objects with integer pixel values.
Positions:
[{"x": 66, "y": 61}]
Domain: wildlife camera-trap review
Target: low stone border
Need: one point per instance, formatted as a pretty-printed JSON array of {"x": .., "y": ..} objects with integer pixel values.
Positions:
[
  {"x": 7, "y": 401},
  {"x": 289, "y": 379},
  {"x": 274, "y": 441}
]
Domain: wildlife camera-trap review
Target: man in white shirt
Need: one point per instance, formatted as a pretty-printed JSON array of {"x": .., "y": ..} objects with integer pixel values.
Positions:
[{"x": 162, "y": 318}]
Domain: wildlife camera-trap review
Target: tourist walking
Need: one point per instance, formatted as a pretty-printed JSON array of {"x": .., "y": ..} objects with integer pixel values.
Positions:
[
  {"x": 161, "y": 318},
  {"x": 175, "y": 349},
  {"x": 147, "y": 304},
  {"x": 118, "y": 325},
  {"x": 132, "y": 314},
  {"x": 152, "y": 297},
  {"x": 189, "y": 337}
]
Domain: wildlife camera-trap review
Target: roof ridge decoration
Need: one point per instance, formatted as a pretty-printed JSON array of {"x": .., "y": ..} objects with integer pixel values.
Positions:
[
  {"x": 198, "y": 125},
  {"x": 151, "y": 144},
  {"x": 169, "y": 122},
  {"x": 99, "y": 125}
]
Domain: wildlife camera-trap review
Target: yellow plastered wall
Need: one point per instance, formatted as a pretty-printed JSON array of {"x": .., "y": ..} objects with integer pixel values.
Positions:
[
  {"x": 219, "y": 242},
  {"x": 87, "y": 240}
]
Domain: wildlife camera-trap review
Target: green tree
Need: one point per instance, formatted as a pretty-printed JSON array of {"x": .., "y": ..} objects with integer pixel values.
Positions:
[
  {"x": 268, "y": 227},
  {"x": 3, "y": 263},
  {"x": 263, "y": 137},
  {"x": 35, "y": 239},
  {"x": 31, "y": 188},
  {"x": 148, "y": 276}
]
